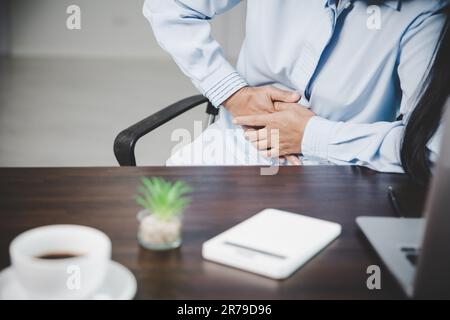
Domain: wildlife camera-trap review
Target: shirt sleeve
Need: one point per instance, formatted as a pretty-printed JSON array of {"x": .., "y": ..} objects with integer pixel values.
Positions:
[
  {"x": 182, "y": 28},
  {"x": 377, "y": 145}
]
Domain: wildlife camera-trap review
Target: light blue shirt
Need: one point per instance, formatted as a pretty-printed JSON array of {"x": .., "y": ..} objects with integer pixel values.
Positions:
[{"x": 357, "y": 65}]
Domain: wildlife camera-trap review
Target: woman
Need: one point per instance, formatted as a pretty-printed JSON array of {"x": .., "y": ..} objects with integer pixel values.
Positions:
[
  {"x": 424, "y": 122},
  {"x": 355, "y": 64}
]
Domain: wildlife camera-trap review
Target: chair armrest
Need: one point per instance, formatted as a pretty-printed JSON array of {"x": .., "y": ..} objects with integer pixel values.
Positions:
[{"x": 125, "y": 142}]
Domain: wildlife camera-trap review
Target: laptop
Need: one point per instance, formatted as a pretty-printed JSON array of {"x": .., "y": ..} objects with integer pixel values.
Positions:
[{"x": 417, "y": 251}]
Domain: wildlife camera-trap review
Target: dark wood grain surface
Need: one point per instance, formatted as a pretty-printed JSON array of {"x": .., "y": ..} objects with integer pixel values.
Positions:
[{"x": 103, "y": 198}]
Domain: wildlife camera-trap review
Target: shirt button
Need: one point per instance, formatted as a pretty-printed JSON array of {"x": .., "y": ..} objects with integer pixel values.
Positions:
[{"x": 347, "y": 5}]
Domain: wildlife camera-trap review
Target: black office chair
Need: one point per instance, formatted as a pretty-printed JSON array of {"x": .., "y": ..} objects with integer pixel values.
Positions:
[{"x": 125, "y": 142}]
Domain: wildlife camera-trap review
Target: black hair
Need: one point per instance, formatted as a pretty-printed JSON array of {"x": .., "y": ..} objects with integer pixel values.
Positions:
[{"x": 426, "y": 117}]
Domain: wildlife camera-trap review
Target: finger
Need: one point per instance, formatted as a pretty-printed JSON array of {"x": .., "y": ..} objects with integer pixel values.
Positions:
[
  {"x": 261, "y": 144},
  {"x": 251, "y": 135},
  {"x": 283, "y": 95},
  {"x": 293, "y": 160},
  {"x": 254, "y": 120},
  {"x": 248, "y": 129},
  {"x": 255, "y": 135},
  {"x": 272, "y": 153},
  {"x": 271, "y": 135},
  {"x": 283, "y": 161},
  {"x": 282, "y": 106}
]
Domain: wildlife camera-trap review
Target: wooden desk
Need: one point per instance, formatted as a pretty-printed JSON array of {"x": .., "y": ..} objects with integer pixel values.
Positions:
[{"x": 103, "y": 198}]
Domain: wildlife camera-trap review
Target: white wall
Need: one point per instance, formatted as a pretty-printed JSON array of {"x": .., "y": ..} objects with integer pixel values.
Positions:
[
  {"x": 109, "y": 28},
  {"x": 4, "y": 27}
]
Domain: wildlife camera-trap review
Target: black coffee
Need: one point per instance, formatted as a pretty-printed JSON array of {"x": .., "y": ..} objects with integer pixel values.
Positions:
[{"x": 58, "y": 256}]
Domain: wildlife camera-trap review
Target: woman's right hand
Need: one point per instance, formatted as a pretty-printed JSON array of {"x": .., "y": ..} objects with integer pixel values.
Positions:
[{"x": 258, "y": 100}]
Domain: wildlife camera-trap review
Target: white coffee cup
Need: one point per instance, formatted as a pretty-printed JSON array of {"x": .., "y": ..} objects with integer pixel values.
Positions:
[{"x": 70, "y": 278}]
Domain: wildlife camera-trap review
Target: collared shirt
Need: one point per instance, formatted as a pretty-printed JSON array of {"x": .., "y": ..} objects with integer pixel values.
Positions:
[{"x": 357, "y": 64}]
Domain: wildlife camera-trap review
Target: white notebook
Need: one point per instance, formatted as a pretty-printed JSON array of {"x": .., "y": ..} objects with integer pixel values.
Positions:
[{"x": 272, "y": 243}]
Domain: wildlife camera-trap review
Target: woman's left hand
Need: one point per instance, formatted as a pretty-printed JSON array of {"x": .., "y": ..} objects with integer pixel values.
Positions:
[{"x": 281, "y": 132}]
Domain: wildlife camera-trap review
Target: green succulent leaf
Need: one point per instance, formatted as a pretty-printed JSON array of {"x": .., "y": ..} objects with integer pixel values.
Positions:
[{"x": 163, "y": 198}]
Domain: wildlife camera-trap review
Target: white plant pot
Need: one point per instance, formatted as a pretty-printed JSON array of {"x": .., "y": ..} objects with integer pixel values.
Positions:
[{"x": 157, "y": 234}]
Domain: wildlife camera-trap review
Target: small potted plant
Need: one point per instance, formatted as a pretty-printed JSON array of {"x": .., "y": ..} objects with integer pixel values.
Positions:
[{"x": 161, "y": 219}]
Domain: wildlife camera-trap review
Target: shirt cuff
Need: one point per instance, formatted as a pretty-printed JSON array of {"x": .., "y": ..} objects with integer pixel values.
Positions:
[
  {"x": 222, "y": 84},
  {"x": 316, "y": 138}
]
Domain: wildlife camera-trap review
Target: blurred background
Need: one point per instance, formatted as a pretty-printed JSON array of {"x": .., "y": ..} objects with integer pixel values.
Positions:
[{"x": 65, "y": 94}]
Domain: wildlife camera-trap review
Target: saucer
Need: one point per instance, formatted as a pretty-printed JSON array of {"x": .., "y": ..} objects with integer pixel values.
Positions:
[{"x": 119, "y": 284}]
